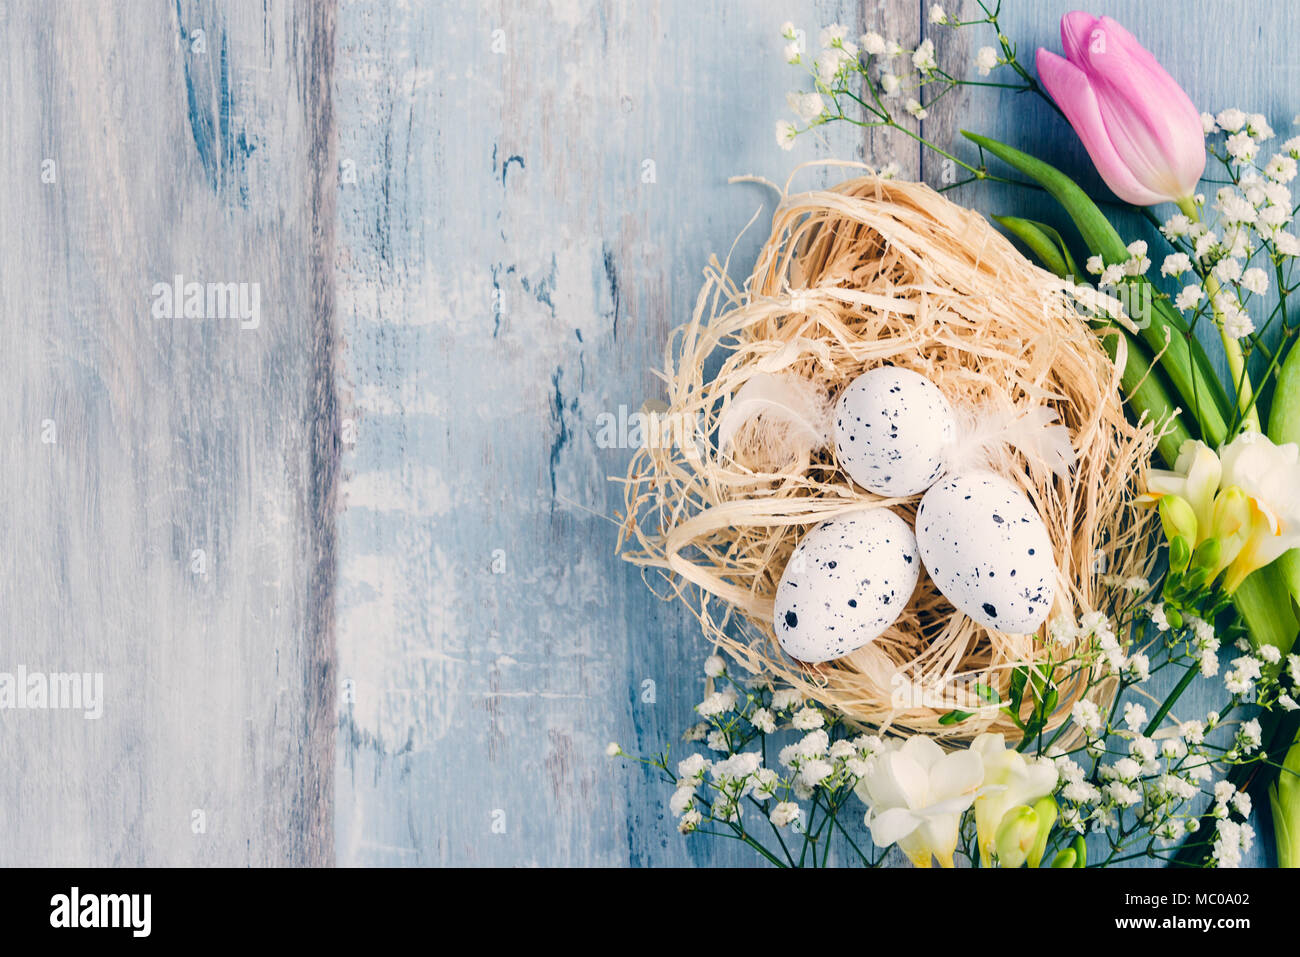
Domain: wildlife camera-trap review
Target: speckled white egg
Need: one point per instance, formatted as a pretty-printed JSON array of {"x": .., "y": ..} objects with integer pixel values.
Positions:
[
  {"x": 846, "y": 582},
  {"x": 988, "y": 551},
  {"x": 892, "y": 426}
]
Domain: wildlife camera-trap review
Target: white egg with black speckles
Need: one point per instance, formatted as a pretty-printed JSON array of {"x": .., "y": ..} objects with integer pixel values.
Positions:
[
  {"x": 988, "y": 551},
  {"x": 892, "y": 426},
  {"x": 846, "y": 582}
]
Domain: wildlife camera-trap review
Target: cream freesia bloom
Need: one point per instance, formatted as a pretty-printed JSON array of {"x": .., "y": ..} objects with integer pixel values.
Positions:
[
  {"x": 1195, "y": 478},
  {"x": 1270, "y": 476},
  {"x": 916, "y": 796},
  {"x": 1245, "y": 496},
  {"x": 1010, "y": 780}
]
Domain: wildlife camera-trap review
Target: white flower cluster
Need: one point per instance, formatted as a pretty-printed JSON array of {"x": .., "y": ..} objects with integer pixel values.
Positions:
[
  {"x": 885, "y": 65},
  {"x": 1128, "y": 778},
  {"x": 717, "y": 790},
  {"x": 1251, "y": 235}
]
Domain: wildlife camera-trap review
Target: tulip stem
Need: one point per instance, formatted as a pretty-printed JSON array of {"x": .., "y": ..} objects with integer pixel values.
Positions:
[{"x": 1231, "y": 347}]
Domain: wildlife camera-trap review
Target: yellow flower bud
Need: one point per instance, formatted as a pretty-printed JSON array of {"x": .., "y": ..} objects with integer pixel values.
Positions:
[
  {"x": 1065, "y": 859},
  {"x": 1177, "y": 517},
  {"x": 1016, "y": 836},
  {"x": 1045, "y": 809}
]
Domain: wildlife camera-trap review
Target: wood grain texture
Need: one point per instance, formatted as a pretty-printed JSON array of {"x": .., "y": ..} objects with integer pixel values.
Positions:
[
  {"x": 538, "y": 188},
  {"x": 187, "y": 141},
  {"x": 472, "y": 227}
]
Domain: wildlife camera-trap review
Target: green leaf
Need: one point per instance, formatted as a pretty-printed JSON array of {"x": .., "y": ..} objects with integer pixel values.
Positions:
[
  {"x": 1182, "y": 355},
  {"x": 986, "y": 693},
  {"x": 953, "y": 717},
  {"x": 1019, "y": 676},
  {"x": 1035, "y": 236},
  {"x": 1095, "y": 228}
]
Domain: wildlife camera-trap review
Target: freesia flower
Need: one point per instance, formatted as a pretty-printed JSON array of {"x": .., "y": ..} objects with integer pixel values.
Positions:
[
  {"x": 1010, "y": 780},
  {"x": 1244, "y": 497},
  {"x": 1143, "y": 133},
  {"x": 1195, "y": 479},
  {"x": 1269, "y": 475},
  {"x": 916, "y": 796}
]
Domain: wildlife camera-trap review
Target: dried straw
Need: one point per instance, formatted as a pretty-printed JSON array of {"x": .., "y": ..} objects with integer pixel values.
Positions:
[{"x": 881, "y": 272}]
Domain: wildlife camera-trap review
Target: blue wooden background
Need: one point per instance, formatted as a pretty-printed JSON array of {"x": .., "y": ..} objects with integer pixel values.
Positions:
[{"x": 473, "y": 225}]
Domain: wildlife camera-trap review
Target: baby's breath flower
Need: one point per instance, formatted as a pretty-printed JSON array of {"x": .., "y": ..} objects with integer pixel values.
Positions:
[
  {"x": 1139, "y": 668},
  {"x": 986, "y": 60},
  {"x": 763, "y": 720},
  {"x": 833, "y": 35},
  {"x": 814, "y": 771},
  {"x": 719, "y": 702},
  {"x": 683, "y": 800},
  {"x": 873, "y": 43},
  {"x": 613, "y": 750},
  {"x": 693, "y": 767},
  {"x": 1189, "y": 298},
  {"x": 923, "y": 58},
  {"x": 1231, "y": 120},
  {"x": 1175, "y": 265},
  {"x": 714, "y": 666},
  {"x": 785, "y": 814},
  {"x": 1241, "y": 147},
  {"x": 805, "y": 719},
  {"x": 890, "y": 84},
  {"x": 690, "y": 821},
  {"x": 938, "y": 15},
  {"x": 1193, "y": 732},
  {"x": 785, "y": 699},
  {"x": 1086, "y": 715},
  {"x": 914, "y": 107},
  {"x": 1280, "y": 168},
  {"x": 1237, "y": 324},
  {"x": 1255, "y": 280},
  {"x": 1257, "y": 126},
  {"x": 785, "y": 134},
  {"x": 1135, "y": 716}
]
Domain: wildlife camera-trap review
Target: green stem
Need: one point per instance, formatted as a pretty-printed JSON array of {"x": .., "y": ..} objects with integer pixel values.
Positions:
[{"x": 1154, "y": 725}]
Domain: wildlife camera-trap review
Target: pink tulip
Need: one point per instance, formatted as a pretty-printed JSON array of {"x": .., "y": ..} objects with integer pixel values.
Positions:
[{"x": 1142, "y": 132}]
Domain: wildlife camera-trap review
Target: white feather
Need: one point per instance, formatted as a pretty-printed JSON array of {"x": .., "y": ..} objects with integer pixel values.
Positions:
[
  {"x": 796, "y": 415},
  {"x": 1033, "y": 431}
]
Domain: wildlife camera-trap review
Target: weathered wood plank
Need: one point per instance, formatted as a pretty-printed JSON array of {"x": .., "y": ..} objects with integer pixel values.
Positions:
[
  {"x": 169, "y": 488},
  {"x": 537, "y": 190}
]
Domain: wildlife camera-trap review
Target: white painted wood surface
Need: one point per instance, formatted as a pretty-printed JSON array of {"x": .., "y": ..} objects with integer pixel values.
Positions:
[
  {"x": 206, "y": 155},
  {"x": 412, "y": 639}
]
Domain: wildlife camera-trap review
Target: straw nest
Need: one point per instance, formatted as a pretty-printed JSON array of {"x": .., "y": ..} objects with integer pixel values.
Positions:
[{"x": 868, "y": 273}]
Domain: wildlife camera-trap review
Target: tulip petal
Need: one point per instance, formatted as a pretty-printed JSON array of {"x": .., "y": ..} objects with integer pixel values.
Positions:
[
  {"x": 1152, "y": 123},
  {"x": 1072, "y": 90},
  {"x": 1076, "y": 27}
]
